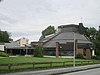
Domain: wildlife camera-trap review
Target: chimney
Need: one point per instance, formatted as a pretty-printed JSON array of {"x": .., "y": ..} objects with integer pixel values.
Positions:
[
  {"x": 81, "y": 28},
  {"x": 81, "y": 24}
]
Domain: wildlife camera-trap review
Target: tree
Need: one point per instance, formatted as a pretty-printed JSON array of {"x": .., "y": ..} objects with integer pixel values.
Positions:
[
  {"x": 38, "y": 51},
  {"x": 4, "y": 36},
  {"x": 49, "y": 30},
  {"x": 97, "y": 43},
  {"x": 0, "y": 0},
  {"x": 90, "y": 33},
  {"x": 94, "y": 36}
]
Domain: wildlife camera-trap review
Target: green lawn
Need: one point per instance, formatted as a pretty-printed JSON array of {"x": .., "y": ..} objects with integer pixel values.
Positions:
[
  {"x": 7, "y": 60},
  {"x": 31, "y": 59}
]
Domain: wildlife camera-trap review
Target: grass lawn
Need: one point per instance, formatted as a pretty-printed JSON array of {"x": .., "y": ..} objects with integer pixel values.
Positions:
[
  {"x": 31, "y": 59},
  {"x": 6, "y": 60},
  {"x": 20, "y": 59}
]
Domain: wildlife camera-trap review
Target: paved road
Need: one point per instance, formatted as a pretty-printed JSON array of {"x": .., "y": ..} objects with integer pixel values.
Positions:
[{"x": 86, "y": 72}]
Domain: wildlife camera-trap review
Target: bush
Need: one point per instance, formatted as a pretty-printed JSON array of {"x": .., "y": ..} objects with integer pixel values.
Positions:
[
  {"x": 38, "y": 51},
  {"x": 3, "y": 54},
  {"x": 95, "y": 57},
  {"x": 80, "y": 56}
]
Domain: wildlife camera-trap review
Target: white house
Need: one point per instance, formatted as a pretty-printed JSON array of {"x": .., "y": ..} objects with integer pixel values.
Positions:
[
  {"x": 22, "y": 41},
  {"x": 1, "y": 46}
]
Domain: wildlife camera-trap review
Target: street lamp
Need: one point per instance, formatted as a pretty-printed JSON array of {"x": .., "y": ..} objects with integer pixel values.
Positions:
[{"x": 60, "y": 50}]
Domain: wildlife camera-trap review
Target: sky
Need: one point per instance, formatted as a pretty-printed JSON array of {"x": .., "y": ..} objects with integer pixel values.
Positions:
[{"x": 27, "y": 18}]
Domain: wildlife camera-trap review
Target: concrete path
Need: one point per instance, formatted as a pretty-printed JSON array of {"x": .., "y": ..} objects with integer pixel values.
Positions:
[{"x": 56, "y": 71}]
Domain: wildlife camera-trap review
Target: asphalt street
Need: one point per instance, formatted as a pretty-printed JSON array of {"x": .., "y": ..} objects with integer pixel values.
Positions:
[{"x": 85, "y": 72}]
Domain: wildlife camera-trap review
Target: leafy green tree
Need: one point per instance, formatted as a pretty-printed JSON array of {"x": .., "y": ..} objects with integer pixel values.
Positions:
[
  {"x": 85, "y": 31},
  {"x": 4, "y": 36},
  {"x": 97, "y": 43},
  {"x": 38, "y": 51},
  {"x": 90, "y": 33},
  {"x": 0, "y": 0},
  {"x": 49, "y": 30},
  {"x": 94, "y": 36},
  {"x": 80, "y": 56}
]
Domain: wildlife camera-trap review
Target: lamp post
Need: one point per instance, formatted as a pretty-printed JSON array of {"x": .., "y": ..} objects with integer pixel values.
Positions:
[
  {"x": 60, "y": 50},
  {"x": 74, "y": 52}
]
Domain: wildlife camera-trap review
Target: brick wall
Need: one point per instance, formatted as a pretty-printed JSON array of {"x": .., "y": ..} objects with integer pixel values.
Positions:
[
  {"x": 88, "y": 53},
  {"x": 79, "y": 51}
]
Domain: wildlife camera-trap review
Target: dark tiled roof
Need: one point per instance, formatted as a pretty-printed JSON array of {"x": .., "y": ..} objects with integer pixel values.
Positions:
[
  {"x": 1, "y": 43},
  {"x": 12, "y": 44},
  {"x": 66, "y": 37},
  {"x": 66, "y": 34},
  {"x": 69, "y": 25}
]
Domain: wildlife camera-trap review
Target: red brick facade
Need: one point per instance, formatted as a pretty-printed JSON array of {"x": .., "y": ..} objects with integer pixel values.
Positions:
[
  {"x": 88, "y": 53},
  {"x": 79, "y": 51}
]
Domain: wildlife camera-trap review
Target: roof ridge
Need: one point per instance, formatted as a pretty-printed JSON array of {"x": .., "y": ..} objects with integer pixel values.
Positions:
[{"x": 52, "y": 37}]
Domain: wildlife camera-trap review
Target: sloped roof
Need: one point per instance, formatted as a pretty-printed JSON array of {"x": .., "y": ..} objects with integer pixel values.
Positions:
[
  {"x": 66, "y": 37},
  {"x": 12, "y": 44},
  {"x": 1, "y": 43},
  {"x": 70, "y": 25},
  {"x": 66, "y": 34}
]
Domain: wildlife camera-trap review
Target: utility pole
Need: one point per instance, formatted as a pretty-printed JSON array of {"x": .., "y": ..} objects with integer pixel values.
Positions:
[{"x": 74, "y": 52}]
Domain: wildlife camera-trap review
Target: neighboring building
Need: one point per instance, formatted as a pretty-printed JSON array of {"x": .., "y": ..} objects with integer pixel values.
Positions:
[
  {"x": 23, "y": 41},
  {"x": 1, "y": 46},
  {"x": 13, "y": 48},
  {"x": 62, "y": 42}
]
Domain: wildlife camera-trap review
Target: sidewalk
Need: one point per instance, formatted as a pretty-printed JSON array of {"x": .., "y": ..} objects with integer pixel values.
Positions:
[{"x": 56, "y": 71}]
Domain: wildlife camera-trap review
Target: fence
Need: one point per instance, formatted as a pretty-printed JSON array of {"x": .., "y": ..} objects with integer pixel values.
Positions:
[{"x": 50, "y": 64}]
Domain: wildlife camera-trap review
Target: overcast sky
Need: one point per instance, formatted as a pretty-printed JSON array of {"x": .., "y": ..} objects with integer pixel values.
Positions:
[{"x": 27, "y": 18}]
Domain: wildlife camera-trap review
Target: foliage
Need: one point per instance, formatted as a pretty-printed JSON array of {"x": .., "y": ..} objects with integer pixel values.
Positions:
[
  {"x": 94, "y": 36},
  {"x": 38, "y": 51},
  {"x": 0, "y": 0},
  {"x": 97, "y": 46},
  {"x": 90, "y": 33},
  {"x": 97, "y": 43},
  {"x": 95, "y": 57},
  {"x": 49, "y": 30},
  {"x": 4, "y": 36},
  {"x": 80, "y": 56},
  {"x": 3, "y": 54}
]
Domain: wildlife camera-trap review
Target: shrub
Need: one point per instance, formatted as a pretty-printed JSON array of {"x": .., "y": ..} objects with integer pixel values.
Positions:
[
  {"x": 38, "y": 51},
  {"x": 95, "y": 57},
  {"x": 3, "y": 54},
  {"x": 80, "y": 56}
]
